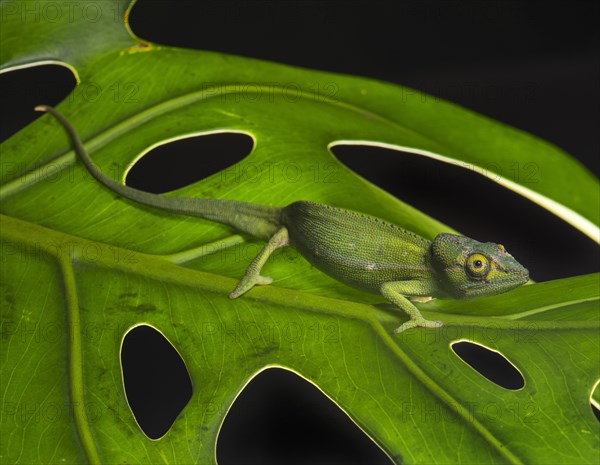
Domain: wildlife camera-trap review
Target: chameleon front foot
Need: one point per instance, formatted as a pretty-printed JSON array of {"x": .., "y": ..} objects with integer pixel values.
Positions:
[
  {"x": 420, "y": 323},
  {"x": 395, "y": 292}
]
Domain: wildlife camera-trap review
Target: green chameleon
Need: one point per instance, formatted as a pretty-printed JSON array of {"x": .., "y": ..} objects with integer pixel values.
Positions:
[{"x": 360, "y": 250}]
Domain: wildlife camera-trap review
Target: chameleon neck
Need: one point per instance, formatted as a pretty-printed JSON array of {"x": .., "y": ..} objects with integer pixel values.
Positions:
[{"x": 256, "y": 220}]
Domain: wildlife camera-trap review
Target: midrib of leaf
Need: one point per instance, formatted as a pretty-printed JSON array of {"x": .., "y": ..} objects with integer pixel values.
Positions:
[
  {"x": 502, "y": 322},
  {"x": 28, "y": 234},
  {"x": 547, "y": 308}
]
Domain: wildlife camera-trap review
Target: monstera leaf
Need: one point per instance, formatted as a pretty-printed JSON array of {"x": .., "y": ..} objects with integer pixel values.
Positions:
[{"x": 80, "y": 267}]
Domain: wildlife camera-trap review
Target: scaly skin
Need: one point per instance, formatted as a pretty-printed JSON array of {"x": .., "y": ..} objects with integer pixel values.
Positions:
[{"x": 360, "y": 250}]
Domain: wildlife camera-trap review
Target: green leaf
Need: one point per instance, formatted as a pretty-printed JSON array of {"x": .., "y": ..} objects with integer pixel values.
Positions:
[{"x": 80, "y": 268}]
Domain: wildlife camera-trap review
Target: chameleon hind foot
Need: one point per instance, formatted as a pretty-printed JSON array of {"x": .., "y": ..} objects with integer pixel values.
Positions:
[
  {"x": 246, "y": 284},
  {"x": 252, "y": 276},
  {"x": 420, "y": 323}
]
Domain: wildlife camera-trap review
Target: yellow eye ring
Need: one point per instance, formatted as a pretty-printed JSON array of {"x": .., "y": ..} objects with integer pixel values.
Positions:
[{"x": 478, "y": 265}]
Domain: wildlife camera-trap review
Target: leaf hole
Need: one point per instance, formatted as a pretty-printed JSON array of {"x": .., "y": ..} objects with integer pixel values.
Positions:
[
  {"x": 182, "y": 162},
  {"x": 279, "y": 417},
  {"x": 595, "y": 400},
  {"x": 478, "y": 207},
  {"x": 489, "y": 363},
  {"x": 157, "y": 383},
  {"x": 23, "y": 89}
]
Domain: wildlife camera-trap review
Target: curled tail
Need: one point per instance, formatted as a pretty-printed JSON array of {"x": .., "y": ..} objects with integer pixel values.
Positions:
[{"x": 257, "y": 220}]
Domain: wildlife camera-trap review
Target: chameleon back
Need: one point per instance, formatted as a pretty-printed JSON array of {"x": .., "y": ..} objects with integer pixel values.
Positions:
[{"x": 360, "y": 250}]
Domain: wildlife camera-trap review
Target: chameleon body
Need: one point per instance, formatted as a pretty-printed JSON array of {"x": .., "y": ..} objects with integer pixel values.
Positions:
[{"x": 360, "y": 250}]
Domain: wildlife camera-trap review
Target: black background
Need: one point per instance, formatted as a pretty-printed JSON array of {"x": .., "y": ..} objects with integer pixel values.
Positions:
[{"x": 533, "y": 65}]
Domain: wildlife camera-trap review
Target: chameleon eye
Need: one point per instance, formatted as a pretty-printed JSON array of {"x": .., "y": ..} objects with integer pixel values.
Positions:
[{"x": 477, "y": 265}]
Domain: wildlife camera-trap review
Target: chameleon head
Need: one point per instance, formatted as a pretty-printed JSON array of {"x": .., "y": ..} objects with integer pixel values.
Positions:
[{"x": 468, "y": 268}]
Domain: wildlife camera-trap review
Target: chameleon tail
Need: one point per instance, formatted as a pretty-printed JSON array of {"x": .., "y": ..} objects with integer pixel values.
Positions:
[{"x": 257, "y": 220}]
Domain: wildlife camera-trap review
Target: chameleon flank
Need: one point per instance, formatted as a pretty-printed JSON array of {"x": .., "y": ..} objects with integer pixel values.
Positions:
[{"x": 360, "y": 250}]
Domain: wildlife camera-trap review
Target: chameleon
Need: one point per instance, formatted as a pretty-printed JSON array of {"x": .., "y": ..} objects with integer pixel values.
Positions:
[{"x": 360, "y": 250}]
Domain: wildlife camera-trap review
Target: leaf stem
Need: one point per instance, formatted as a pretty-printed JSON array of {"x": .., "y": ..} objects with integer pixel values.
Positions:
[{"x": 76, "y": 382}]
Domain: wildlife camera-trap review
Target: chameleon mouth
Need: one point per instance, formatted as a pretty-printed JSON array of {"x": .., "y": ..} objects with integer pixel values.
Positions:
[
  {"x": 518, "y": 274},
  {"x": 507, "y": 282},
  {"x": 521, "y": 274},
  {"x": 515, "y": 277},
  {"x": 524, "y": 276}
]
